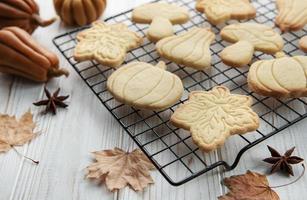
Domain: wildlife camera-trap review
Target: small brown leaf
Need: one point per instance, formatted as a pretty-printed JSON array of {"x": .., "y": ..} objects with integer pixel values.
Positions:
[
  {"x": 15, "y": 133},
  {"x": 251, "y": 186},
  {"x": 118, "y": 169}
]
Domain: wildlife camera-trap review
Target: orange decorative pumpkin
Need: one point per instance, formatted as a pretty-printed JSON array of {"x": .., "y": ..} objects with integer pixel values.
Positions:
[
  {"x": 21, "y": 13},
  {"x": 22, "y": 56},
  {"x": 79, "y": 12}
]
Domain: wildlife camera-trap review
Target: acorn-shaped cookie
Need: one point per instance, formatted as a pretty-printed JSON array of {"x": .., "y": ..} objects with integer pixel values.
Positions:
[
  {"x": 145, "y": 86},
  {"x": 248, "y": 38},
  {"x": 161, "y": 16},
  {"x": 79, "y": 12},
  {"x": 280, "y": 77}
]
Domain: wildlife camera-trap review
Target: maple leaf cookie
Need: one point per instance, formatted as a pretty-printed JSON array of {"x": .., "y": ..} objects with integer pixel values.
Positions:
[
  {"x": 213, "y": 116},
  {"x": 145, "y": 86},
  {"x": 161, "y": 16},
  {"x": 107, "y": 44},
  {"x": 248, "y": 38},
  {"x": 190, "y": 48},
  {"x": 220, "y": 11},
  {"x": 280, "y": 77},
  {"x": 292, "y": 14}
]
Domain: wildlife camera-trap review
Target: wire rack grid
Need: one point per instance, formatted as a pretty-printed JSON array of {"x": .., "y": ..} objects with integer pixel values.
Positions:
[{"x": 171, "y": 149}]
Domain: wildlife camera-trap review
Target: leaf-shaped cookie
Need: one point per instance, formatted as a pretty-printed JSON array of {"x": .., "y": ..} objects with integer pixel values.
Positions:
[
  {"x": 219, "y": 11},
  {"x": 280, "y": 77},
  {"x": 162, "y": 16},
  {"x": 292, "y": 14},
  {"x": 107, "y": 44},
  {"x": 215, "y": 115},
  {"x": 190, "y": 48},
  {"x": 145, "y": 86},
  {"x": 249, "y": 37}
]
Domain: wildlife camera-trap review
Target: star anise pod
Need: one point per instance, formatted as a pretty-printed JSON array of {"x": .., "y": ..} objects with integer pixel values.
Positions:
[
  {"x": 53, "y": 102},
  {"x": 283, "y": 162}
]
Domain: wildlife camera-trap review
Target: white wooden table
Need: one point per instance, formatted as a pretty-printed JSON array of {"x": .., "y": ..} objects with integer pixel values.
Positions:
[{"x": 68, "y": 138}]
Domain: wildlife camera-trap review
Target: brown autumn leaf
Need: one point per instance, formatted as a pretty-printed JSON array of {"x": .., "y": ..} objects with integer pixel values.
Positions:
[
  {"x": 249, "y": 186},
  {"x": 15, "y": 132},
  {"x": 118, "y": 169}
]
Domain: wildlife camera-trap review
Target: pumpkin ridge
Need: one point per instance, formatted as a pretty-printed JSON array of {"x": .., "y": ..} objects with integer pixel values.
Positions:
[
  {"x": 167, "y": 94},
  {"x": 302, "y": 65},
  {"x": 31, "y": 46},
  {"x": 289, "y": 90},
  {"x": 17, "y": 71},
  {"x": 24, "y": 48},
  {"x": 258, "y": 80},
  {"x": 91, "y": 14},
  {"x": 151, "y": 90},
  {"x": 21, "y": 5},
  {"x": 34, "y": 66},
  {"x": 272, "y": 74},
  {"x": 18, "y": 13},
  {"x": 124, "y": 88},
  {"x": 118, "y": 72}
]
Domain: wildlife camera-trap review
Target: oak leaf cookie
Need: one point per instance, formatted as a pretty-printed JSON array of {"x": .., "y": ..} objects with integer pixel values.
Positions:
[
  {"x": 161, "y": 16},
  {"x": 107, "y": 44},
  {"x": 303, "y": 44},
  {"x": 248, "y": 38},
  {"x": 280, "y": 77},
  {"x": 190, "y": 48},
  {"x": 213, "y": 116},
  {"x": 292, "y": 14},
  {"x": 219, "y": 11},
  {"x": 144, "y": 86}
]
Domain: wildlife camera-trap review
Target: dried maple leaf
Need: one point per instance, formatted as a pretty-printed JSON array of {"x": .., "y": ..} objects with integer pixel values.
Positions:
[
  {"x": 15, "y": 133},
  {"x": 118, "y": 169},
  {"x": 251, "y": 186}
]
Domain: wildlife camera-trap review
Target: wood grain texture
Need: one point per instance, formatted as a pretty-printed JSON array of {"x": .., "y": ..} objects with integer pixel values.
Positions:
[{"x": 67, "y": 140}]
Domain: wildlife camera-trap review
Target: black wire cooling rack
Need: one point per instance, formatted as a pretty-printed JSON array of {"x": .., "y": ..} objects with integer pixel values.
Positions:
[{"x": 169, "y": 148}]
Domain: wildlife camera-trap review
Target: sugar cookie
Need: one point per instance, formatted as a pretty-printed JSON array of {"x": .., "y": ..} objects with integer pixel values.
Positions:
[
  {"x": 190, "y": 48},
  {"x": 161, "y": 16},
  {"x": 292, "y": 14},
  {"x": 213, "y": 116},
  {"x": 220, "y": 11},
  {"x": 303, "y": 44},
  {"x": 248, "y": 38},
  {"x": 280, "y": 77},
  {"x": 144, "y": 86},
  {"x": 107, "y": 44}
]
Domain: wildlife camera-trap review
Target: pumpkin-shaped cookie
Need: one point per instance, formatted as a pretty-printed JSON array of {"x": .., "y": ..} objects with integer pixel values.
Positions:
[
  {"x": 144, "y": 86},
  {"x": 79, "y": 12},
  {"x": 280, "y": 77}
]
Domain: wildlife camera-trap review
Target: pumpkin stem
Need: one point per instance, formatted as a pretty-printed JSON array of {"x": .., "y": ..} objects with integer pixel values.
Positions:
[
  {"x": 54, "y": 72},
  {"x": 161, "y": 65},
  {"x": 42, "y": 22},
  {"x": 280, "y": 54}
]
